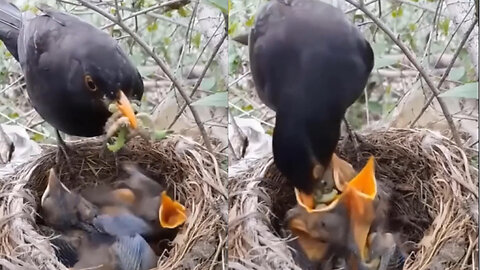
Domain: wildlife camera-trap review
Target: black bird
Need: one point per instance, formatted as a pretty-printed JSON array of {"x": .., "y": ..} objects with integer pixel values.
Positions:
[
  {"x": 309, "y": 64},
  {"x": 72, "y": 69}
]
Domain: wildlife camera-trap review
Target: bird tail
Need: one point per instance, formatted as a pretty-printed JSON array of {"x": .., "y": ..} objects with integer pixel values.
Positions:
[{"x": 10, "y": 24}]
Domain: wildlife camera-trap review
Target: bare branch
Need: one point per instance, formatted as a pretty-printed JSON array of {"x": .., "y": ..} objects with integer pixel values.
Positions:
[
  {"x": 413, "y": 60},
  {"x": 447, "y": 71},
  {"x": 162, "y": 65},
  {"x": 199, "y": 81}
]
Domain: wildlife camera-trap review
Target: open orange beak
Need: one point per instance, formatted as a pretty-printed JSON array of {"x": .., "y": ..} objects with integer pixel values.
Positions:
[
  {"x": 358, "y": 197},
  {"x": 172, "y": 214},
  {"x": 124, "y": 106}
]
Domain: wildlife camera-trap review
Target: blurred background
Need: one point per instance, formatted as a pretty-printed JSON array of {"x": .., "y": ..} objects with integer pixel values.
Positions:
[
  {"x": 442, "y": 37},
  {"x": 189, "y": 36}
]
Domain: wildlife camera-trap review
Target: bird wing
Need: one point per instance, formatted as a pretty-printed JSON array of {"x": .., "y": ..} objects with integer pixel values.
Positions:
[
  {"x": 65, "y": 250},
  {"x": 10, "y": 24},
  {"x": 122, "y": 224},
  {"x": 134, "y": 253}
]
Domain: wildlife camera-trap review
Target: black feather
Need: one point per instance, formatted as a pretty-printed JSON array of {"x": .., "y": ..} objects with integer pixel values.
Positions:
[{"x": 10, "y": 24}]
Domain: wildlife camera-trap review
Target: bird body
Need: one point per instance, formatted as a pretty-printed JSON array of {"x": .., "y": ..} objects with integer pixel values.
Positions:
[
  {"x": 144, "y": 198},
  {"x": 309, "y": 64},
  {"x": 91, "y": 237},
  {"x": 72, "y": 69}
]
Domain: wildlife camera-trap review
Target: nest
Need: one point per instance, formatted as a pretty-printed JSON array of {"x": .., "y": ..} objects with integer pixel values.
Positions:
[
  {"x": 185, "y": 166},
  {"x": 433, "y": 202}
]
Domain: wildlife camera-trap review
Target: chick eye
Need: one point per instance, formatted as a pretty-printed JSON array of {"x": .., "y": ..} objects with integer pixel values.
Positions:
[{"x": 89, "y": 83}]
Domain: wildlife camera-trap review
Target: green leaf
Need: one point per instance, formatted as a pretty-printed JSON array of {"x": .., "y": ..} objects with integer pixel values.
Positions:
[
  {"x": 250, "y": 21},
  {"x": 119, "y": 140},
  {"x": 37, "y": 137},
  {"x": 182, "y": 12},
  {"x": 216, "y": 100},
  {"x": 443, "y": 25},
  {"x": 412, "y": 27},
  {"x": 159, "y": 135},
  {"x": 468, "y": 90},
  {"x": 247, "y": 108},
  {"x": 152, "y": 27},
  {"x": 384, "y": 62},
  {"x": 232, "y": 28},
  {"x": 207, "y": 84},
  {"x": 230, "y": 5},
  {"x": 196, "y": 40},
  {"x": 13, "y": 115},
  {"x": 375, "y": 107},
  {"x": 456, "y": 74},
  {"x": 167, "y": 41},
  {"x": 398, "y": 12},
  {"x": 220, "y": 4}
]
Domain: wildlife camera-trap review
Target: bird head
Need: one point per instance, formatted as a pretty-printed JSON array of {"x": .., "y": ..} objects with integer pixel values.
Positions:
[
  {"x": 336, "y": 175},
  {"x": 171, "y": 213},
  {"x": 62, "y": 208},
  {"x": 106, "y": 73},
  {"x": 319, "y": 233},
  {"x": 357, "y": 200}
]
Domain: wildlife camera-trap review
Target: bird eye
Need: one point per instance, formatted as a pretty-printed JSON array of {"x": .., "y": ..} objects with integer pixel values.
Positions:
[{"x": 89, "y": 83}]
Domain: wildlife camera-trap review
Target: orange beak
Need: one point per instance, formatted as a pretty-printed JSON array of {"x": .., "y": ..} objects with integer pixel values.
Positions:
[
  {"x": 358, "y": 197},
  {"x": 124, "y": 106},
  {"x": 172, "y": 214}
]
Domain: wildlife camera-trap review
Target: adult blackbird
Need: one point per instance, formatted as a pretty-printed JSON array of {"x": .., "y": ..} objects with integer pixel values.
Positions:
[
  {"x": 309, "y": 64},
  {"x": 73, "y": 70}
]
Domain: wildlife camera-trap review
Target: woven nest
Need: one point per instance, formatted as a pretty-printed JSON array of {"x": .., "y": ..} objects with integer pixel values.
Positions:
[
  {"x": 433, "y": 202},
  {"x": 184, "y": 165}
]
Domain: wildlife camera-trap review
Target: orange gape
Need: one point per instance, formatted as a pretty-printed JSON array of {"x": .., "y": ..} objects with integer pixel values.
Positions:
[
  {"x": 171, "y": 213},
  {"x": 357, "y": 196}
]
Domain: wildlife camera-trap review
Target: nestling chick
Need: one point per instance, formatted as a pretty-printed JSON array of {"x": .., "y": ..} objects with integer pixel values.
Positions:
[
  {"x": 92, "y": 237},
  {"x": 151, "y": 200},
  {"x": 324, "y": 237},
  {"x": 344, "y": 223},
  {"x": 143, "y": 197}
]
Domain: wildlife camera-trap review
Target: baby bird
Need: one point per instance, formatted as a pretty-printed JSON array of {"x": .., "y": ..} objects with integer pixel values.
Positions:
[
  {"x": 339, "y": 229},
  {"x": 145, "y": 198},
  {"x": 384, "y": 253},
  {"x": 324, "y": 237},
  {"x": 92, "y": 238}
]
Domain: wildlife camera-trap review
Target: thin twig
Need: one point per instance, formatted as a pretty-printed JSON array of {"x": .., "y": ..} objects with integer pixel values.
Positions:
[
  {"x": 453, "y": 35},
  {"x": 148, "y": 12},
  {"x": 162, "y": 65},
  {"x": 413, "y": 4},
  {"x": 447, "y": 71},
  {"x": 413, "y": 60},
  {"x": 199, "y": 81},
  {"x": 23, "y": 126}
]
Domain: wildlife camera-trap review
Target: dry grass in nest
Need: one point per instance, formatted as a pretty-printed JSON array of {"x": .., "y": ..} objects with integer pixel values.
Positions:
[
  {"x": 184, "y": 165},
  {"x": 433, "y": 202}
]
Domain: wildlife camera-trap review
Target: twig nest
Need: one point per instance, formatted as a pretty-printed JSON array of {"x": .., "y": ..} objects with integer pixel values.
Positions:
[
  {"x": 188, "y": 169},
  {"x": 431, "y": 191}
]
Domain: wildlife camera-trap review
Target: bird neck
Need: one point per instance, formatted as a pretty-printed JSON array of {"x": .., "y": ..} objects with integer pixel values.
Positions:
[{"x": 299, "y": 143}]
